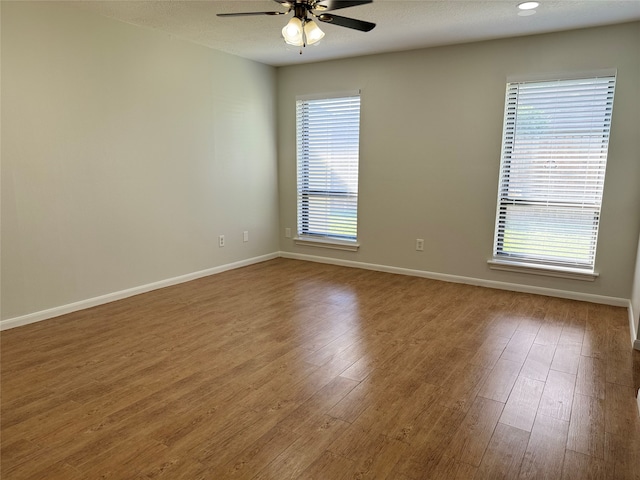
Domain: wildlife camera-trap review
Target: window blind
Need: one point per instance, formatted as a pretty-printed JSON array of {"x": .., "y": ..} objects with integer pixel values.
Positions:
[
  {"x": 554, "y": 156},
  {"x": 328, "y": 140}
]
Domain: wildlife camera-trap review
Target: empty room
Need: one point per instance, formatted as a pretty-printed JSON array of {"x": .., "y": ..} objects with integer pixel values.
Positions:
[{"x": 320, "y": 239}]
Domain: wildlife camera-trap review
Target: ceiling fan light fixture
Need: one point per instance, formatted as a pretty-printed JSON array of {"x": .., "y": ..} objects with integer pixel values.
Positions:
[
  {"x": 312, "y": 32},
  {"x": 302, "y": 30},
  {"x": 292, "y": 32}
]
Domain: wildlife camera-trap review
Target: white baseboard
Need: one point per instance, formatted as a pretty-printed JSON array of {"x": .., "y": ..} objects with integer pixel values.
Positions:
[
  {"x": 110, "y": 297},
  {"x": 635, "y": 339},
  {"x": 95, "y": 301},
  {"x": 514, "y": 287}
]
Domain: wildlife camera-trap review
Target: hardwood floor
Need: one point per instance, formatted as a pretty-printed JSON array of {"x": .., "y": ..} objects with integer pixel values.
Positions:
[{"x": 289, "y": 369}]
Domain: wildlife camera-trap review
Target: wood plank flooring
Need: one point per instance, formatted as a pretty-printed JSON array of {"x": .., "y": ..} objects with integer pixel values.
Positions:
[{"x": 288, "y": 369}]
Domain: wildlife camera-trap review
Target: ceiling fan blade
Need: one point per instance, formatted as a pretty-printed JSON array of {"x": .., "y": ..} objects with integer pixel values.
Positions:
[
  {"x": 326, "y": 5},
  {"x": 247, "y": 14},
  {"x": 346, "y": 22}
]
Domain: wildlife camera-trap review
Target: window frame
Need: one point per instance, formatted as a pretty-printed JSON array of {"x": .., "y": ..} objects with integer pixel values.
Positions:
[
  {"x": 306, "y": 238},
  {"x": 528, "y": 263}
]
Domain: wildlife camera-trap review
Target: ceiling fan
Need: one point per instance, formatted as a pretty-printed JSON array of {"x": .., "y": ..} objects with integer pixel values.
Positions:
[{"x": 301, "y": 29}]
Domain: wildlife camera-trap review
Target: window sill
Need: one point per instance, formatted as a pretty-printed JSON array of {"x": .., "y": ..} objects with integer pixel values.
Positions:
[
  {"x": 535, "y": 269},
  {"x": 327, "y": 243}
]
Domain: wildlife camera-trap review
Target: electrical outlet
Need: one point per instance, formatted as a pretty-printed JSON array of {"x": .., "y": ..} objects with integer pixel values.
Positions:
[
  {"x": 221, "y": 240},
  {"x": 245, "y": 236},
  {"x": 287, "y": 233},
  {"x": 419, "y": 244}
]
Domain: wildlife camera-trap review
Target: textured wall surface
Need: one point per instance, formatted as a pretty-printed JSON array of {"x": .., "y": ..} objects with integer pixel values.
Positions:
[{"x": 125, "y": 153}]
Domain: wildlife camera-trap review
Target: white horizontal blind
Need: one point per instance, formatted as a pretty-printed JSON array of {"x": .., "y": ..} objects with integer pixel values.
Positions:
[
  {"x": 328, "y": 141},
  {"x": 554, "y": 155}
]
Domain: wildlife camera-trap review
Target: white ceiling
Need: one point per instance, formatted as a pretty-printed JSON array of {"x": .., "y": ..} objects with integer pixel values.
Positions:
[{"x": 401, "y": 24}]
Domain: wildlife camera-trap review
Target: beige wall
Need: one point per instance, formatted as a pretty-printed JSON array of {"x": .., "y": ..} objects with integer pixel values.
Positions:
[
  {"x": 431, "y": 125},
  {"x": 125, "y": 153}
]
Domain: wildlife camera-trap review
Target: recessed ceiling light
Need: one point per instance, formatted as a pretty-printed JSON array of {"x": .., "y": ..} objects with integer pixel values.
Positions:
[{"x": 528, "y": 5}]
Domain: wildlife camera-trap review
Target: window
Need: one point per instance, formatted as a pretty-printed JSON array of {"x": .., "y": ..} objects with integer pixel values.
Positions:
[
  {"x": 554, "y": 155},
  {"x": 328, "y": 141}
]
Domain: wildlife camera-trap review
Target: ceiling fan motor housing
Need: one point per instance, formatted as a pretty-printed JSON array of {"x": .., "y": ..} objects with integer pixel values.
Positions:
[{"x": 300, "y": 10}]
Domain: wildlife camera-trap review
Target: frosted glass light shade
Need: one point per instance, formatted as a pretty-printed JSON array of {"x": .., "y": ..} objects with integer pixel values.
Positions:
[
  {"x": 312, "y": 32},
  {"x": 292, "y": 32}
]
